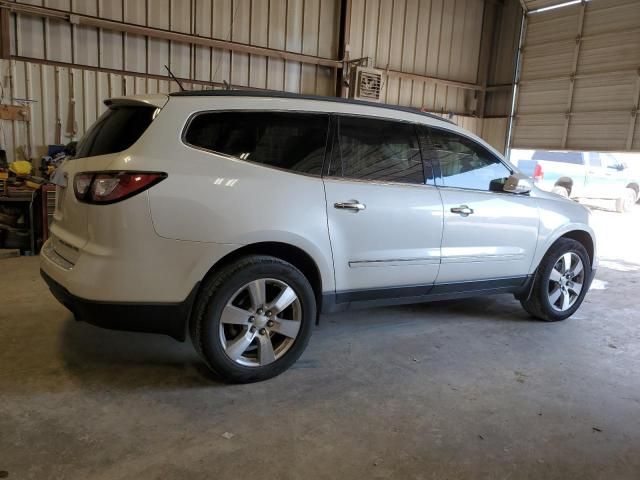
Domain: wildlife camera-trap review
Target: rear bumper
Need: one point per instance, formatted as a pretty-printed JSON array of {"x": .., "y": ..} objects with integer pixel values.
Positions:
[{"x": 164, "y": 318}]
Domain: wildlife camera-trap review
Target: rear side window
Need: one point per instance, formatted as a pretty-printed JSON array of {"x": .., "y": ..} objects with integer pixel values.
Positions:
[
  {"x": 116, "y": 130},
  {"x": 377, "y": 150},
  {"x": 564, "y": 157},
  {"x": 288, "y": 140}
]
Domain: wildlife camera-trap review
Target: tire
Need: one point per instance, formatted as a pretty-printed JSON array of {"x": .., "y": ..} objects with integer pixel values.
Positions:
[
  {"x": 542, "y": 302},
  {"x": 232, "y": 327},
  {"x": 560, "y": 190},
  {"x": 625, "y": 203}
]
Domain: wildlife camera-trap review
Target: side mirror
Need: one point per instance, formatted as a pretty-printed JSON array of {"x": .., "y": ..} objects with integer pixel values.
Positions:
[{"x": 518, "y": 184}]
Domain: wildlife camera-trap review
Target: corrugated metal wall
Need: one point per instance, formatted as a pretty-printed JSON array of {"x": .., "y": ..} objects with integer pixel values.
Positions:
[
  {"x": 304, "y": 26},
  {"x": 580, "y": 78},
  {"x": 66, "y": 70},
  {"x": 439, "y": 38}
]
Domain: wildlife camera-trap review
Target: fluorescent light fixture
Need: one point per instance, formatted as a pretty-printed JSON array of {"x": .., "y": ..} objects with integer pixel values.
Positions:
[{"x": 553, "y": 7}]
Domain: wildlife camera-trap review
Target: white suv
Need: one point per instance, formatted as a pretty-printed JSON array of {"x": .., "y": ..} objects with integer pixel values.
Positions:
[{"x": 240, "y": 216}]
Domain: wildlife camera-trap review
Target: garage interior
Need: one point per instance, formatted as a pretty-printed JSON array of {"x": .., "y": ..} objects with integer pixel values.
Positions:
[{"x": 454, "y": 389}]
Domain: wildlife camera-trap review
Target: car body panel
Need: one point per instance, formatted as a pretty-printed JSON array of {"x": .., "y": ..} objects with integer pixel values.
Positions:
[
  {"x": 394, "y": 241},
  {"x": 471, "y": 250}
]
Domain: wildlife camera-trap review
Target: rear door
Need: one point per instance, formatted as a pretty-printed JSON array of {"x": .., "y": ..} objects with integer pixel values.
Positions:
[
  {"x": 385, "y": 220},
  {"x": 488, "y": 234}
]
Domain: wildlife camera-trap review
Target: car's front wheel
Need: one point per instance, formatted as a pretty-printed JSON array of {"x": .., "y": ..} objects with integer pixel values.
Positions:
[
  {"x": 253, "y": 318},
  {"x": 561, "y": 282}
]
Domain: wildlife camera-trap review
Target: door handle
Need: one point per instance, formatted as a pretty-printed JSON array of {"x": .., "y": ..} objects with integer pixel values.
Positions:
[
  {"x": 463, "y": 210},
  {"x": 354, "y": 205}
]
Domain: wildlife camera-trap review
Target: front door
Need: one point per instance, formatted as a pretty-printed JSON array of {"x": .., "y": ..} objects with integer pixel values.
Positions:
[
  {"x": 488, "y": 234},
  {"x": 385, "y": 221}
]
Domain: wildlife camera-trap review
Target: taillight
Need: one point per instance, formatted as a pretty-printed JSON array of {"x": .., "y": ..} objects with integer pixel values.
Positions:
[
  {"x": 538, "y": 174},
  {"x": 111, "y": 187}
]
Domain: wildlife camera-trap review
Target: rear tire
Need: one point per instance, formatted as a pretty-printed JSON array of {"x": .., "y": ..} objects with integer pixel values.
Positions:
[
  {"x": 561, "y": 282},
  {"x": 253, "y": 319},
  {"x": 625, "y": 203}
]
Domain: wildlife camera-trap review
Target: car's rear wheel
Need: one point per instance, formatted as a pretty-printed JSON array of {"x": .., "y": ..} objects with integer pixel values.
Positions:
[
  {"x": 625, "y": 203},
  {"x": 253, "y": 318},
  {"x": 561, "y": 282}
]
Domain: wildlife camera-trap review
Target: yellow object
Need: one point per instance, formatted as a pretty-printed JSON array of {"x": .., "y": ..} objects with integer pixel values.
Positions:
[
  {"x": 20, "y": 167},
  {"x": 4, "y": 175},
  {"x": 32, "y": 185}
]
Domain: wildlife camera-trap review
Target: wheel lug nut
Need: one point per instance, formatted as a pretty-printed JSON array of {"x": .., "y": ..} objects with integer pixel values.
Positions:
[
  {"x": 260, "y": 311},
  {"x": 263, "y": 331},
  {"x": 252, "y": 329},
  {"x": 252, "y": 319},
  {"x": 269, "y": 323},
  {"x": 268, "y": 313}
]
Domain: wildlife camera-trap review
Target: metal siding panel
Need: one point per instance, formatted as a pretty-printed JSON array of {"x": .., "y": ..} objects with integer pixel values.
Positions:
[
  {"x": 259, "y": 35},
  {"x": 555, "y": 25},
  {"x": 30, "y": 36},
  {"x": 611, "y": 53},
  {"x": 539, "y": 97},
  {"x": 604, "y": 92},
  {"x": 605, "y": 131},
  {"x": 293, "y": 43},
  {"x": 85, "y": 7},
  {"x": 277, "y": 27},
  {"x": 538, "y": 131},
  {"x": 613, "y": 92},
  {"x": 409, "y": 50},
  {"x": 613, "y": 15}
]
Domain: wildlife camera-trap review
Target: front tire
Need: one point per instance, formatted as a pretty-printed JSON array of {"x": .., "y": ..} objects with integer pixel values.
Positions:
[
  {"x": 253, "y": 319},
  {"x": 561, "y": 282}
]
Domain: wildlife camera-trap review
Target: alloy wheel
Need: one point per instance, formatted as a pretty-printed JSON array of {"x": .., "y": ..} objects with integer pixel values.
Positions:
[
  {"x": 566, "y": 282},
  {"x": 260, "y": 322}
]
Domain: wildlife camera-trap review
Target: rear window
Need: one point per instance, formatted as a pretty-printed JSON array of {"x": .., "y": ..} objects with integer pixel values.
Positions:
[
  {"x": 564, "y": 157},
  {"x": 289, "y": 140},
  {"x": 116, "y": 130}
]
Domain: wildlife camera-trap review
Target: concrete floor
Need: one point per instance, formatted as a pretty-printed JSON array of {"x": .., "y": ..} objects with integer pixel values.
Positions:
[{"x": 467, "y": 389}]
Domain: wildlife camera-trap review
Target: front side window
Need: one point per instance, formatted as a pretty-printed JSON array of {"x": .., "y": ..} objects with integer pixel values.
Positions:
[
  {"x": 376, "y": 150},
  {"x": 289, "y": 140},
  {"x": 466, "y": 164}
]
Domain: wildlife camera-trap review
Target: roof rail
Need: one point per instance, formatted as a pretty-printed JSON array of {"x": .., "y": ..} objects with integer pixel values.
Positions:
[{"x": 278, "y": 94}]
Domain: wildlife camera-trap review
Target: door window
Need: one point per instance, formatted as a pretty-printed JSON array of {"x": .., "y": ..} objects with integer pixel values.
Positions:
[
  {"x": 376, "y": 150},
  {"x": 466, "y": 164},
  {"x": 595, "y": 160},
  {"x": 292, "y": 141}
]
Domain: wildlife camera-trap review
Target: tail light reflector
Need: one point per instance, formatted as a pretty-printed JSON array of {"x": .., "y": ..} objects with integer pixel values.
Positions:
[
  {"x": 111, "y": 187},
  {"x": 538, "y": 174}
]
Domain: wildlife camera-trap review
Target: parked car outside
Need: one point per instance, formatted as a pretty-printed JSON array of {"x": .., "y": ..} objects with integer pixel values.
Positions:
[
  {"x": 237, "y": 217},
  {"x": 587, "y": 175}
]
